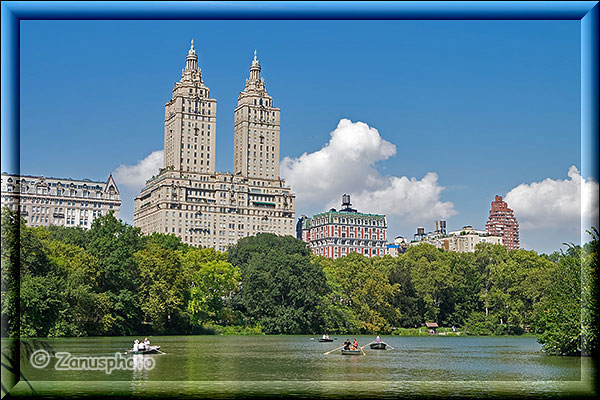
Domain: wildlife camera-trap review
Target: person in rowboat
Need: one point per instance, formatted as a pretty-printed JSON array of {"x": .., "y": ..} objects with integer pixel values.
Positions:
[
  {"x": 354, "y": 345},
  {"x": 136, "y": 345},
  {"x": 378, "y": 339},
  {"x": 347, "y": 344},
  {"x": 147, "y": 344}
]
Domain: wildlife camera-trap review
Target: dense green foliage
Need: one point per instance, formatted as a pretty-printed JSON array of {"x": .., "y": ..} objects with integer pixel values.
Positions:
[
  {"x": 281, "y": 289},
  {"x": 568, "y": 310},
  {"x": 111, "y": 280}
]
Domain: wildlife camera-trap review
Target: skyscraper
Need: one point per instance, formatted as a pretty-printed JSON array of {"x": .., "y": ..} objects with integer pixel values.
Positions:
[
  {"x": 502, "y": 222},
  {"x": 256, "y": 141},
  {"x": 215, "y": 209},
  {"x": 190, "y": 122}
]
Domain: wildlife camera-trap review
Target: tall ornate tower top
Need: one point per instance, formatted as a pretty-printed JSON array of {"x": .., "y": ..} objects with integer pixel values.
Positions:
[
  {"x": 191, "y": 61},
  {"x": 190, "y": 117},
  {"x": 255, "y": 74},
  {"x": 256, "y": 131}
]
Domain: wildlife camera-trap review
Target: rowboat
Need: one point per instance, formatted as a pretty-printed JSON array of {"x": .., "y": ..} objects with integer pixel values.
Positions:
[
  {"x": 378, "y": 346},
  {"x": 325, "y": 340},
  {"x": 152, "y": 350},
  {"x": 351, "y": 352}
]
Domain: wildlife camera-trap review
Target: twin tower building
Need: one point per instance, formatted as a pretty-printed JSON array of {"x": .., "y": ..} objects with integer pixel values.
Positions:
[{"x": 188, "y": 197}]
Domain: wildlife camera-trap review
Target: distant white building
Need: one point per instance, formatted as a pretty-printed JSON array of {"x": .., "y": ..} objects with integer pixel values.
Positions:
[
  {"x": 463, "y": 240},
  {"x": 45, "y": 201}
]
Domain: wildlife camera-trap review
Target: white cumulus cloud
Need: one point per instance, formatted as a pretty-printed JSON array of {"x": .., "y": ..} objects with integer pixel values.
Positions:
[
  {"x": 346, "y": 164},
  {"x": 556, "y": 203},
  {"x": 412, "y": 199},
  {"x": 133, "y": 177}
]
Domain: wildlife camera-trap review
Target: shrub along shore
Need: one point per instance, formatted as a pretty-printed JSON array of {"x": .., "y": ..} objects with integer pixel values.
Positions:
[{"x": 112, "y": 280}]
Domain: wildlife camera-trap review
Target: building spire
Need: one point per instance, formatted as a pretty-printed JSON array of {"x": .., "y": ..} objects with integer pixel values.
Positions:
[
  {"x": 255, "y": 69},
  {"x": 191, "y": 61}
]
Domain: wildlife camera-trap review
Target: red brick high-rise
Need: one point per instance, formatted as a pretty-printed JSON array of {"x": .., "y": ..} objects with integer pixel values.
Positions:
[{"x": 502, "y": 222}]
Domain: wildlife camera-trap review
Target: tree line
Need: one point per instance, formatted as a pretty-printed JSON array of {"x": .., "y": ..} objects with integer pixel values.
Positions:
[{"x": 112, "y": 280}]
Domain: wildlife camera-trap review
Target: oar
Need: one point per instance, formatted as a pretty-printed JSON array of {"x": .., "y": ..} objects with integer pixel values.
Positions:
[
  {"x": 367, "y": 344},
  {"x": 387, "y": 344},
  {"x": 331, "y": 351},
  {"x": 361, "y": 348}
]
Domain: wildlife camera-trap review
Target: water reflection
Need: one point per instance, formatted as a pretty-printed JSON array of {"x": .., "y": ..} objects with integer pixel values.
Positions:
[{"x": 142, "y": 364}]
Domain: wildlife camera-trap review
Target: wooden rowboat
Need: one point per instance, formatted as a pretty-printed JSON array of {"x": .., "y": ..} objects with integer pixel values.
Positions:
[
  {"x": 152, "y": 350},
  {"x": 351, "y": 352},
  {"x": 325, "y": 340},
  {"x": 378, "y": 346}
]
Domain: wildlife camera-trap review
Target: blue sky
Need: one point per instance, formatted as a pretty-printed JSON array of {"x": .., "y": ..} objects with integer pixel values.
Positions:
[{"x": 485, "y": 105}]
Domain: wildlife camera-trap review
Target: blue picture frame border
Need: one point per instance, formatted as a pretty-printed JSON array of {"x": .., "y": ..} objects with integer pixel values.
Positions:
[{"x": 12, "y": 12}]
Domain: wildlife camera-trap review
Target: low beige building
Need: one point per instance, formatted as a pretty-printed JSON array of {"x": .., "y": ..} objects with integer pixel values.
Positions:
[
  {"x": 462, "y": 241},
  {"x": 215, "y": 209},
  {"x": 67, "y": 202}
]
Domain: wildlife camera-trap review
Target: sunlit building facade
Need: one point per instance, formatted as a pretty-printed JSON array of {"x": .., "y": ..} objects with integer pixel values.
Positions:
[
  {"x": 335, "y": 234},
  {"x": 45, "y": 201},
  {"x": 502, "y": 222}
]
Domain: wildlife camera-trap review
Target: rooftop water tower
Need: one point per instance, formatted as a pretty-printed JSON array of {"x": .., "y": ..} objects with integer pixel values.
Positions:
[
  {"x": 420, "y": 235},
  {"x": 346, "y": 205}
]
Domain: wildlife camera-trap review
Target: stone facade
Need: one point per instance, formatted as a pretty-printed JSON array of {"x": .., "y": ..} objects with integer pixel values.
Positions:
[
  {"x": 215, "y": 209},
  {"x": 59, "y": 201},
  {"x": 256, "y": 147},
  {"x": 502, "y": 222},
  {"x": 190, "y": 122},
  {"x": 334, "y": 234}
]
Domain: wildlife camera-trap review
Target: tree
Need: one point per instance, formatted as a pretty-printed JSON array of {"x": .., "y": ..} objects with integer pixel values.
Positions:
[
  {"x": 161, "y": 286},
  {"x": 85, "y": 311},
  {"x": 486, "y": 257},
  {"x": 334, "y": 309},
  {"x": 213, "y": 282},
  {"x": 75, "y": 235},
  {"x": 590, "y": 296},
  {"x": 281, "y": 288},
  {"x": 114, "y": 243},
  {"x": 559, "y": 314},
  {"x": 464, "y": 295},
  {"x": 431, "y": 277},
  {"x": 40, "y": 304},
  {"x": 565, "y": 315},
  {"x": 405, "y": 299},
  {"x": 366, "y": 290},
  {"x": 10, "y": 226},
  {"x": 170, "y": 241}
]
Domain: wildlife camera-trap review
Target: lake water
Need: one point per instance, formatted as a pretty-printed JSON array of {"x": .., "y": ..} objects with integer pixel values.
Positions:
[{"x": 233, "y": 366}]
